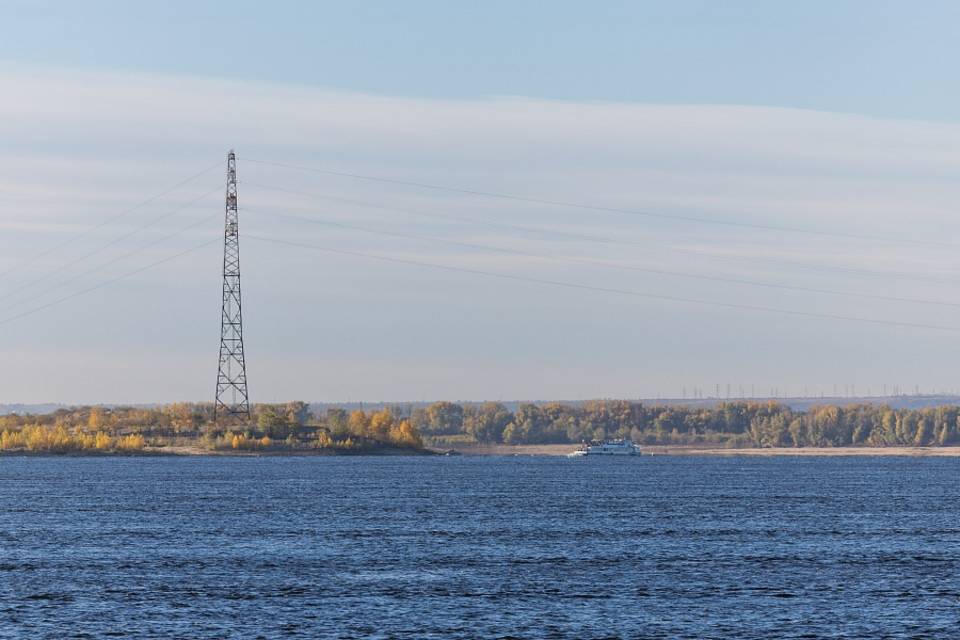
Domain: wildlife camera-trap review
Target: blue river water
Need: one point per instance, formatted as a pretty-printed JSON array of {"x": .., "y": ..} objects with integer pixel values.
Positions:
[{"x": 471, "y": 547}]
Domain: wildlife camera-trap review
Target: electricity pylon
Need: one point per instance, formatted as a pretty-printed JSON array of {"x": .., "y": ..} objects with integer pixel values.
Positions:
[{"x": 232, "y": 402}]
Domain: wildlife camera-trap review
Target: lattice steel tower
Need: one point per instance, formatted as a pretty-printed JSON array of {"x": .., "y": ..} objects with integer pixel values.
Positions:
[{"x": 232, "y": 403}]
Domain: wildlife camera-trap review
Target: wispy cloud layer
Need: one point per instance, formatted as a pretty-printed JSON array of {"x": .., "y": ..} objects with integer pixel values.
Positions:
[{"x": 81, "y": 147}]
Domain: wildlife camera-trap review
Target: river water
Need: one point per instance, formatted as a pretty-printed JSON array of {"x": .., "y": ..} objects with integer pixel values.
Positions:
[{"x": 357, "y": 547}]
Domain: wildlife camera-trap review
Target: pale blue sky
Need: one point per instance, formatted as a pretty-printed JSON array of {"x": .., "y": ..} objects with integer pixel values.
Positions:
[
  {"x": 838, "y": 117},
  {"x": 871, "y": 56}
]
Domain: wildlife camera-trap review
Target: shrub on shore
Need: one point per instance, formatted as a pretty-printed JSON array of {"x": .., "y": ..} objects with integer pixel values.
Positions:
[{"x": 58, "y": 439}]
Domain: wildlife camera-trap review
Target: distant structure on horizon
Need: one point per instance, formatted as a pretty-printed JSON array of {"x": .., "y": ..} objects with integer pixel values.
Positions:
[{"x": 232, "y": 403}]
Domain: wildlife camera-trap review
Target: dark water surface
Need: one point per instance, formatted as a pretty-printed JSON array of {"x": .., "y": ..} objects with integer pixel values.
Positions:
[{"x": 479, "y": 547}]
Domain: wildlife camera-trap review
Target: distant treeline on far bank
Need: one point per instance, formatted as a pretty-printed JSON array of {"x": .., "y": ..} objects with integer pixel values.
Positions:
[
  {"x": 292, "y": 426},
  {"x": 733, "y": 424}
]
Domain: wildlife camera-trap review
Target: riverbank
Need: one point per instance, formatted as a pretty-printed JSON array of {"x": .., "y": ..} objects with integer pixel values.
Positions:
[
  {"x": 695, "y": 450},
  {"x": 555, "y": 450},
  {"x": 190, "y": 451}
]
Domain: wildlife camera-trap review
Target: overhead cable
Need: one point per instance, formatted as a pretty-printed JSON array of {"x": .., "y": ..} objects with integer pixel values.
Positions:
[
  {"x": 611, "y": 290},
  {"x": 606, "y": 209}
]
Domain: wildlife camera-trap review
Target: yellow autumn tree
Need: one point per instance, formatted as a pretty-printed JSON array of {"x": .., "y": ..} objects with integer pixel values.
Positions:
[
  {"x": 102, "y": 441},
  {"x": 132, "y": 442},
  {"x": 404, "y": 434},
  {"x": 359, "y": 423},
  {"x": 380, "y": 424},
  {"x": 95, "y": 421},
  {"x": 323, "y": 439},
  {"x": 11, "y": 440}
]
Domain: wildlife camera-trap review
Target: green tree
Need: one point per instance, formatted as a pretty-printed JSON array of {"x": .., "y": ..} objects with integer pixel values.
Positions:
[
  {"x": 487, "y": 422},
  {"x": 440, "y": 418},
  {"x": 336, "y": 421},
  {"x": 271, "y": 422}
]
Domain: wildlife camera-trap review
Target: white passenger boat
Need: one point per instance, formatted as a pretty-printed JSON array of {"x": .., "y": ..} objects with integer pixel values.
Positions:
[{"x": 607, "y": 448}]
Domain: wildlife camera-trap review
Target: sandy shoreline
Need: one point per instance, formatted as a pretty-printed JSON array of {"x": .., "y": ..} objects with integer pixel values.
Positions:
[{"x": 696, "y": 450}]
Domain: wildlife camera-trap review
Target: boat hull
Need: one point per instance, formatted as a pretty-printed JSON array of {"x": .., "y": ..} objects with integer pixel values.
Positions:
[{"x": 618, "y": 448}]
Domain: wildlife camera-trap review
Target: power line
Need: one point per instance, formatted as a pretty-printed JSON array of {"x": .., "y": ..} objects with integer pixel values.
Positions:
[
  {"x": 107, "y": 282},
  {"x": 446, "y": 216},
  {"x": 618, "y": 291},
  {"x": 111, "y": 220},
  {"x": 612, "y": 265},
  {"x": 604, "y": 239},
  {"x": 866, "y": 273},
  {"x": 605, "y": 209},
  {"x": 116, "y": 259},
  {"x": 107, "y": 245}
]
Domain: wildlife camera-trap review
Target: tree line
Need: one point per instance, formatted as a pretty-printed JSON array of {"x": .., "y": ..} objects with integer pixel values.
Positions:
[
  {"x": 294, "y": 426},
  {"x": 758, "y": 424},
  {"x": 289, "y": 426}
]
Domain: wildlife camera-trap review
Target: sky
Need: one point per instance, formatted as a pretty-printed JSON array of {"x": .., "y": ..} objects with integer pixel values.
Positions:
[{"x": 746, "y": 195}]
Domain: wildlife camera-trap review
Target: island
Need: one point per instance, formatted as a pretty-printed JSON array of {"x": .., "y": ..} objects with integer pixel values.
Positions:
[{"x": 190, "y": 429}]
